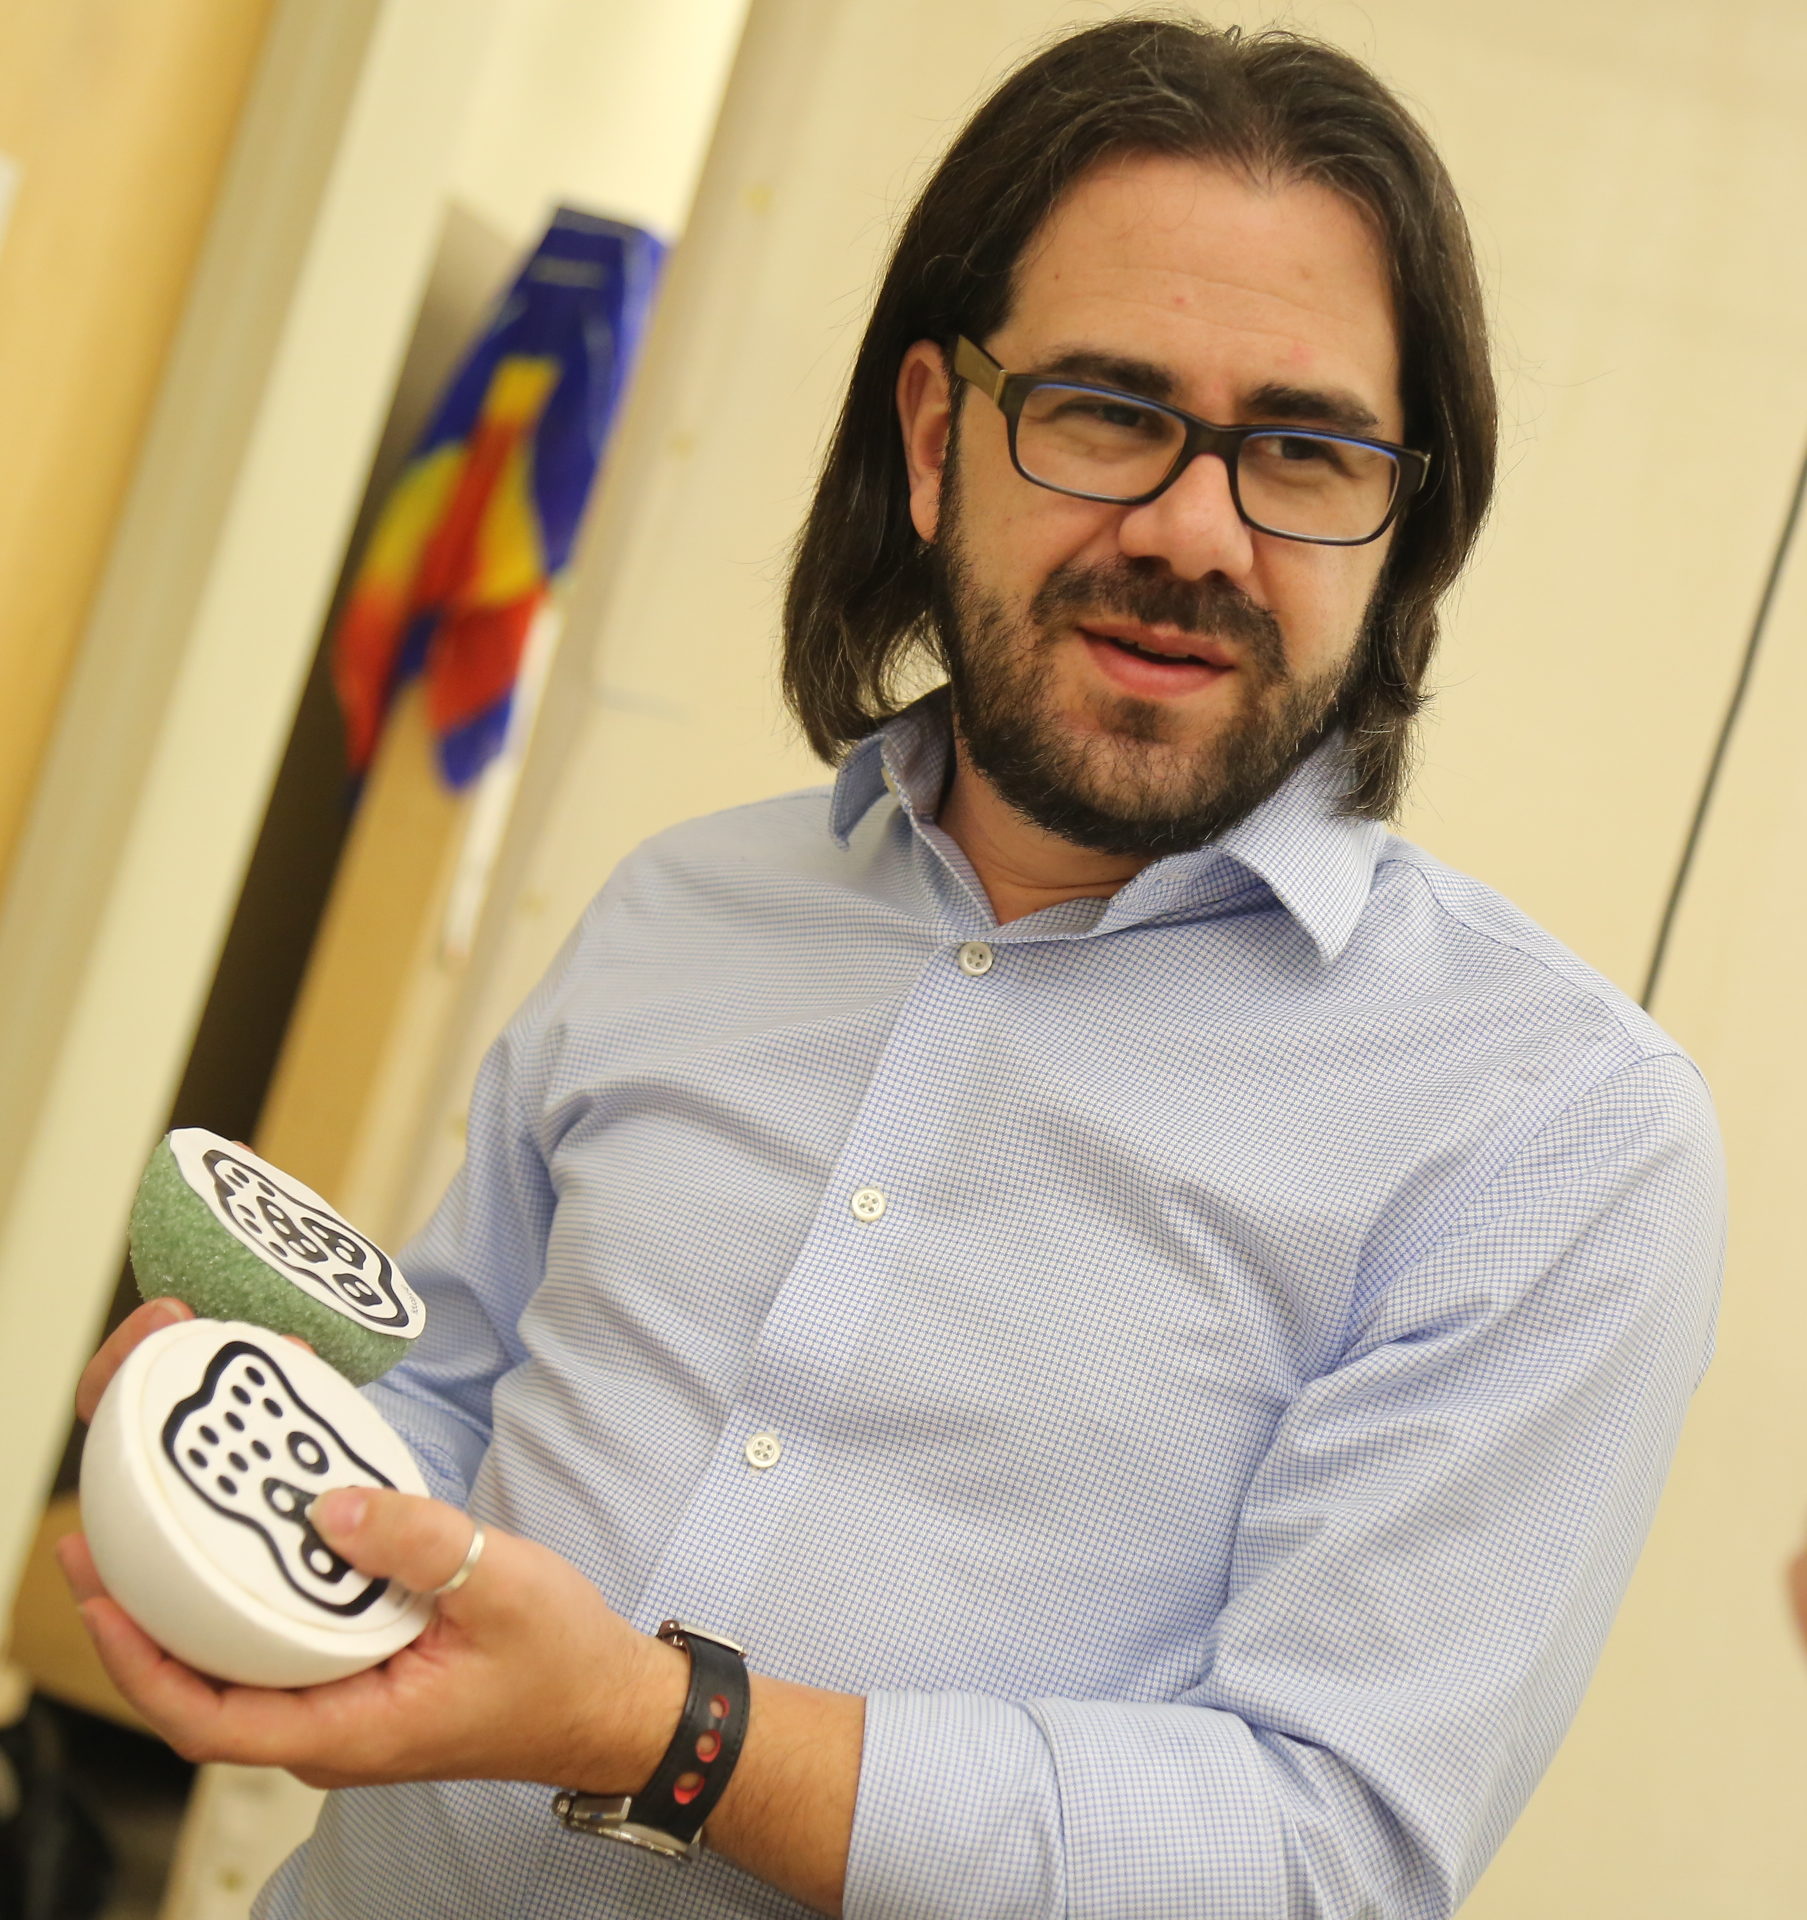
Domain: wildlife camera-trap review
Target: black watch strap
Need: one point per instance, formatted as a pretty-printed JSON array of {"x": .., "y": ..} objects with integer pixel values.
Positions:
[
  {"x": 667, "y": 1814},
  {"x": 691, "y": 1779}
]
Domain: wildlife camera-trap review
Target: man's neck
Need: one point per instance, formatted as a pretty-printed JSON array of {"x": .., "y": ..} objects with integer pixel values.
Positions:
[{"x": 1022, "y": 867}]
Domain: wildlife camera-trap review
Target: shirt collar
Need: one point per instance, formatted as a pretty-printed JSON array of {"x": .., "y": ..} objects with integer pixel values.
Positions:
[
  {"x": 908, "y": 754},
  {"x": 1316, "y": 861}
]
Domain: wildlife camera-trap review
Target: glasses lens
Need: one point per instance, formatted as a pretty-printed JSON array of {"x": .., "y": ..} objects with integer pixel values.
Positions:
[
  {"x": 1099, "y": 443},
  {"x": 1314, "y": 487}
]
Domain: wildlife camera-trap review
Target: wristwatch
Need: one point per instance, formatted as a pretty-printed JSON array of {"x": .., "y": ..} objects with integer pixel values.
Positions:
[{"x": 666, "y": 1816}]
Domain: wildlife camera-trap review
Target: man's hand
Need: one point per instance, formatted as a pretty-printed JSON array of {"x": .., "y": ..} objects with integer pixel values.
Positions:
[
  {"x": 138, "y": 1326},
  {"x": 525, "y": 1673}
]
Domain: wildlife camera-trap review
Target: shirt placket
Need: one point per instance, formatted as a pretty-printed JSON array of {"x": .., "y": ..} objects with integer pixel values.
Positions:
[{"x": 771, "y": 1443}]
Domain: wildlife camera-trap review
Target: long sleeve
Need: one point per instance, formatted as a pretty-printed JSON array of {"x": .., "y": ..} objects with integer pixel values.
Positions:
[
  {"x": 476, "y": 1265},
  {"x": 1427, "y": 1562}
]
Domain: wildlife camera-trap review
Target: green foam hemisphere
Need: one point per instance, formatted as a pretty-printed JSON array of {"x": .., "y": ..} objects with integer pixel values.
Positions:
[{"x": 179, "y": 1247}]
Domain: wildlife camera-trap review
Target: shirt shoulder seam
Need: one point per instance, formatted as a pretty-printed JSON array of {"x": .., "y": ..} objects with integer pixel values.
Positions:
[
  {"x": 1549, "y": 1114},
  {"x": 1633, "y": 1022}
]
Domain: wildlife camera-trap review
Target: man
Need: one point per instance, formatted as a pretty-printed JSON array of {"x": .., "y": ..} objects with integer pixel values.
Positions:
[{"x": 1155, "y": 1310}]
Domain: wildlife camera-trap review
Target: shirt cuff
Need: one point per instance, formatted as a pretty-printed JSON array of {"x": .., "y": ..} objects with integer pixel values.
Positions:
[
  {"x": 958, "y": 1816},
  {"x": 1166, "y": 1808},
  {"x": 972, "y": 1808}
]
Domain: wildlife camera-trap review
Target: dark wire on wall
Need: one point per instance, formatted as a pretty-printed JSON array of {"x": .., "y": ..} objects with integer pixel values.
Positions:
[{"x": 1678, "y": 886}]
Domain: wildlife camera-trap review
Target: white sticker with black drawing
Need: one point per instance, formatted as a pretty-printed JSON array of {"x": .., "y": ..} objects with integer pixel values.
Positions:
[
  {"x": 289, "y": 1227},
  {"x": 245, "y": 1442}
]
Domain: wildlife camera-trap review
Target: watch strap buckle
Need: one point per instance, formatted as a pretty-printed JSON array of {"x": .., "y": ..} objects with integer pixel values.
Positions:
[
  {"x": 680, "y": 1633},
  {"x": 608, "y": 1816}
]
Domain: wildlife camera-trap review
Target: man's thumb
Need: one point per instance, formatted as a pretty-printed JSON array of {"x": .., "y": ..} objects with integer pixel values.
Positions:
[{"x": 419, "y": 1543}]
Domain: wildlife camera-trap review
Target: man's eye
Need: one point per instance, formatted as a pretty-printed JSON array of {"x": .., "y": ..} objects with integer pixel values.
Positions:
[
  {"x": 1301, "y": 453},
  {"x": 1100, "y": 416},
  {"x": 1113, "y": 413}
]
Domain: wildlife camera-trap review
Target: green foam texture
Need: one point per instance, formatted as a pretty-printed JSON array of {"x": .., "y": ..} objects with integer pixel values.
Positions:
[{"x": 179, "y": 1247}]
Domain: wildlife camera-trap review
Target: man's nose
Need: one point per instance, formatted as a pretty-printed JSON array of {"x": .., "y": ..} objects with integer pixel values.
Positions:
[{"x": 1193, "y": 526}]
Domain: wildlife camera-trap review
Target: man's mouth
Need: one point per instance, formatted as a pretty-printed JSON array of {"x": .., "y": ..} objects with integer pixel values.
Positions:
[{"x": 1152, "y": 663}]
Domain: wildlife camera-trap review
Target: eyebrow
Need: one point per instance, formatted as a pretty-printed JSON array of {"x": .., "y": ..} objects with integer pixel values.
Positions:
[
  {"x": 1316, "y": 406},
  {"x": 1330, "y": 407}
]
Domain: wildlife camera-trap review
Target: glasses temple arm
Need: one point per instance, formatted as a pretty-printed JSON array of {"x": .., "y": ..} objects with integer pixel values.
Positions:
[{"x": 975, "y": 364}]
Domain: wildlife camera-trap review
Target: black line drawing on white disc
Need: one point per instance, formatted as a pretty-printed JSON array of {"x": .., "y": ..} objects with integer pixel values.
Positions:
[
  {"x": 254, "y": 1450},
  {"x": 307, "y": 1241}
]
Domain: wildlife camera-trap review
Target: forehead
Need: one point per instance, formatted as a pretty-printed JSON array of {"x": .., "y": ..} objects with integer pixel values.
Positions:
[{"x": 1229, "y": 283}]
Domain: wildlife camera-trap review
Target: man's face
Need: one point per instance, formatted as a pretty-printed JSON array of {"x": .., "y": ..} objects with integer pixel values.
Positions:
[{"x": 1134, "y": 679}]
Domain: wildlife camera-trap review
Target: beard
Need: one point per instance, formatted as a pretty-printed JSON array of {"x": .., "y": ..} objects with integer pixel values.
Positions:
[{"x": 1133, "y": 784}]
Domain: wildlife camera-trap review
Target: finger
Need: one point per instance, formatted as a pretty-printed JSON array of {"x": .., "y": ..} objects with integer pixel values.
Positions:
[
  {"x": 201, "y": 1719},
  {"x": 420, "y": 1543},
  {"x": 173, "y": 1698},
  {"x": 138, "y": 1326},
  {"x": 126, "y": 1650},
  {"x": 316, "y": 1730},
  {"x": 78, "y": 1567}
]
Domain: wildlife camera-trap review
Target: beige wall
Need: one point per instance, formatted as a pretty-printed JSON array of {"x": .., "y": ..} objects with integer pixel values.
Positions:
[
  {"x": 1634, "y": 174},
  {"x": 607, "y": 106}
]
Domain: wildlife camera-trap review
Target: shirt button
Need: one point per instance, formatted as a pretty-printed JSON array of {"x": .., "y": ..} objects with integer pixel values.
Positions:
[
  {"x": 867, "y": 1204},
  {"x": 975, "y": 958},
  {"x": 763, "y": 1450}
]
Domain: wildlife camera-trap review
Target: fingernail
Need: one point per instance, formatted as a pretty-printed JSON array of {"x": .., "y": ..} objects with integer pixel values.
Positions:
[
  {"x": 339, "y": 1512},
  {"x": 167, "y": 1312}
]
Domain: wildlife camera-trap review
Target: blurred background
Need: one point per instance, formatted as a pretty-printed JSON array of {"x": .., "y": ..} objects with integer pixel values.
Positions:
[{"x": 244, "y": 243}]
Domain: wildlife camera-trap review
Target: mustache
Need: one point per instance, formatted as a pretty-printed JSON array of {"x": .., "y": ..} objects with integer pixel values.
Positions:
[{"x": 1146, "y": 591}]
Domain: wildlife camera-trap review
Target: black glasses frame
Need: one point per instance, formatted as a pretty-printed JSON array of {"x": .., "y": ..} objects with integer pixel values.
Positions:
[{"x": 1008, "y": 391}]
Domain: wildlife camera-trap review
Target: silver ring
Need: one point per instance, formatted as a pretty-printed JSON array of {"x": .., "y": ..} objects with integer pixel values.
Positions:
[{"x": 473, "y": 1554}]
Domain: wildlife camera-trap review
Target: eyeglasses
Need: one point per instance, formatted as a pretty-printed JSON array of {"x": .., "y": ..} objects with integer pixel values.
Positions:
[{"x": 1334, "y": 489}]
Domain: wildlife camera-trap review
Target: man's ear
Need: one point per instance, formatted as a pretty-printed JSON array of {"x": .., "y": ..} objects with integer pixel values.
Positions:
[{"x": 925, "y": 413}]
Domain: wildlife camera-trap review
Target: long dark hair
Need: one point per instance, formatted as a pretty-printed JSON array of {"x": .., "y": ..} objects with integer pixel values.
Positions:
[{"x": 1274, "y": 104}]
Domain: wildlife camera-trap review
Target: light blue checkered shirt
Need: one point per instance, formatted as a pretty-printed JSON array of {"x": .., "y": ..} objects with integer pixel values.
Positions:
[{"x": 1218, "y": 1463}]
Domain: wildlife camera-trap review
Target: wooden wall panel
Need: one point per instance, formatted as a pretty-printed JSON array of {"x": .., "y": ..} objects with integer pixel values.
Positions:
[{"x": 119, "y": 113}]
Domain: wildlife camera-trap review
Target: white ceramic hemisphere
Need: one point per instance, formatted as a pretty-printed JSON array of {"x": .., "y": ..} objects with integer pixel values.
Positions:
[{"x": 206, "y": 1448}]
